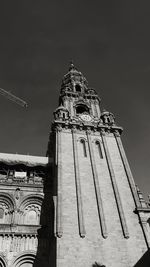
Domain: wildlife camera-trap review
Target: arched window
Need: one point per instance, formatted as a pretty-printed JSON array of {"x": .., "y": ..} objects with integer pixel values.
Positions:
[
  {"x": 31, "y": 210},
  {"x": 108, "y": 120},
  {"x": 31, "y": 217},
  {"x": 82, "y": 141},
  {"x": 81, "y": 109},
  {"x": 98, "y": 148},
  {"x": 78, "y": 88}
]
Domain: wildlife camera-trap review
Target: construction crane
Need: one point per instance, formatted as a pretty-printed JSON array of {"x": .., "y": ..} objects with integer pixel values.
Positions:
[{"x": 13, "y": 98}]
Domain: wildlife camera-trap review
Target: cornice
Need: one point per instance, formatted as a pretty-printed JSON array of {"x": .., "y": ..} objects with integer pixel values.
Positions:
[
  {"x": 69, "y": 94},
  {"x": 59, "y": 125}
]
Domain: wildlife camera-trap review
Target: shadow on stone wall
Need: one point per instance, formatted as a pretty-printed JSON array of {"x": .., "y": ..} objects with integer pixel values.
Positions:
[
  {"x": 46, "y": 250},
  {"x": 144, "y": 261}
]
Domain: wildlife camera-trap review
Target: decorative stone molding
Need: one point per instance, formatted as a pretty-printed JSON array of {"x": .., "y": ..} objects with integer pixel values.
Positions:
[
  {"x": 116, "y": 133},
  {"x": 93, "y": 126},
  {"x": 3, "y": 260},
  {"x": 31, "y": 199},
  {"x": 21, "y": 259}
]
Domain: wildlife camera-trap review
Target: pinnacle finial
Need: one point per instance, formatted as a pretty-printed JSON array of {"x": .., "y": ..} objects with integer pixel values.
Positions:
[{"x": 72, "y": 67}]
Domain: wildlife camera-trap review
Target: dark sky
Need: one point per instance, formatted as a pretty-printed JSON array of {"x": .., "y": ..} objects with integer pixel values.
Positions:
[{"x": 109, "y": 42}]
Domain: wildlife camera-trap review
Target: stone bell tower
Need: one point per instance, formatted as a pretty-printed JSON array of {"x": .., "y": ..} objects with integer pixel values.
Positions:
[{"x": 99, "y": 217}]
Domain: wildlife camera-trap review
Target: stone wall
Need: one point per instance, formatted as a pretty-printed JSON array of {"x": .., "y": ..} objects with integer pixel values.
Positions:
[{"x": 113, "y": 233}]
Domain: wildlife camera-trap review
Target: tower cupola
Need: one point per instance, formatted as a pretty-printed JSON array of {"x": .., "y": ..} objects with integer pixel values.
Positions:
[
  {"x": 77, "y": 97},
  {"x": 74, "y": 81}
]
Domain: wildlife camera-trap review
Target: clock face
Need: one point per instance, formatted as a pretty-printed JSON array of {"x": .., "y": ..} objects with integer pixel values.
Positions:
[{"x": 86, "y": 117}]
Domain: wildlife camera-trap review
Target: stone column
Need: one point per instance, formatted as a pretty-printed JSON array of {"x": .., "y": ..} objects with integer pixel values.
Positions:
[
  {"x": 78, "y": 186},
  {"x": 115, "y": 188},
  {"x": 97, "y": 188}
]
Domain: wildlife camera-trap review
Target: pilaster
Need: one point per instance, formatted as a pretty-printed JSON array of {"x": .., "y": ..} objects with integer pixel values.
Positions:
[
  {"x": 127, "y": 168},
  {"x": 78, "y": 186},
  {"x": 115, "y": 187},
  {"x": 59, "y": 230},
  {"x": 97, "y": 188}
]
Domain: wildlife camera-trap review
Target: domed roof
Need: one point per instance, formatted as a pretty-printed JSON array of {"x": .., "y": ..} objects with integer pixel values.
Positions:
[{"x": 105, "y": 112}]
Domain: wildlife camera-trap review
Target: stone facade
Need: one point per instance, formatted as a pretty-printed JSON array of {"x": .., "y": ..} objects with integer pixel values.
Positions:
[
  {"x": 23, "y": 212},
  {"x": 78, "y": 206}
]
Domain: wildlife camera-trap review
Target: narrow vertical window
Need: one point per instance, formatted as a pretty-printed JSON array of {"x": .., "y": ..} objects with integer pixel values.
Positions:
[
  {"x": 84, "y": 147},
  {"x": 98, "y": 147}
]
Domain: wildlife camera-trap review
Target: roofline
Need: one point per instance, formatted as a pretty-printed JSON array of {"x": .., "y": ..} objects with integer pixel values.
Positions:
[{"x": 27, "y": 160}]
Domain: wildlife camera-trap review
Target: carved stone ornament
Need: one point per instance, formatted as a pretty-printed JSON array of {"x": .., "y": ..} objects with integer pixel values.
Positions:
[
  {"x": 116, "y": 133},
  {"x": 88, "y": 130},
  {"x": 59, "y": 127},
  {"x": 17, "y": 193},
  {"x": 66, "y": 126},
  {"x": 95, "y": 129},
  {"x": 74, "y": 128},
  {"x": 59, "y": 235},
  {"x": 81, "y": 128},
  {"x": 108, "y": 132},
  {"x": 102, "y": 131},
  {"x": 66, "y": 98}
]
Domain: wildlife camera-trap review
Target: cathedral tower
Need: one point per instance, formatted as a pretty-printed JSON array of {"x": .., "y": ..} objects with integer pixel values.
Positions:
[
  {"x": 79, "y": 206},
  {"x": 100, "y": 220}
]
